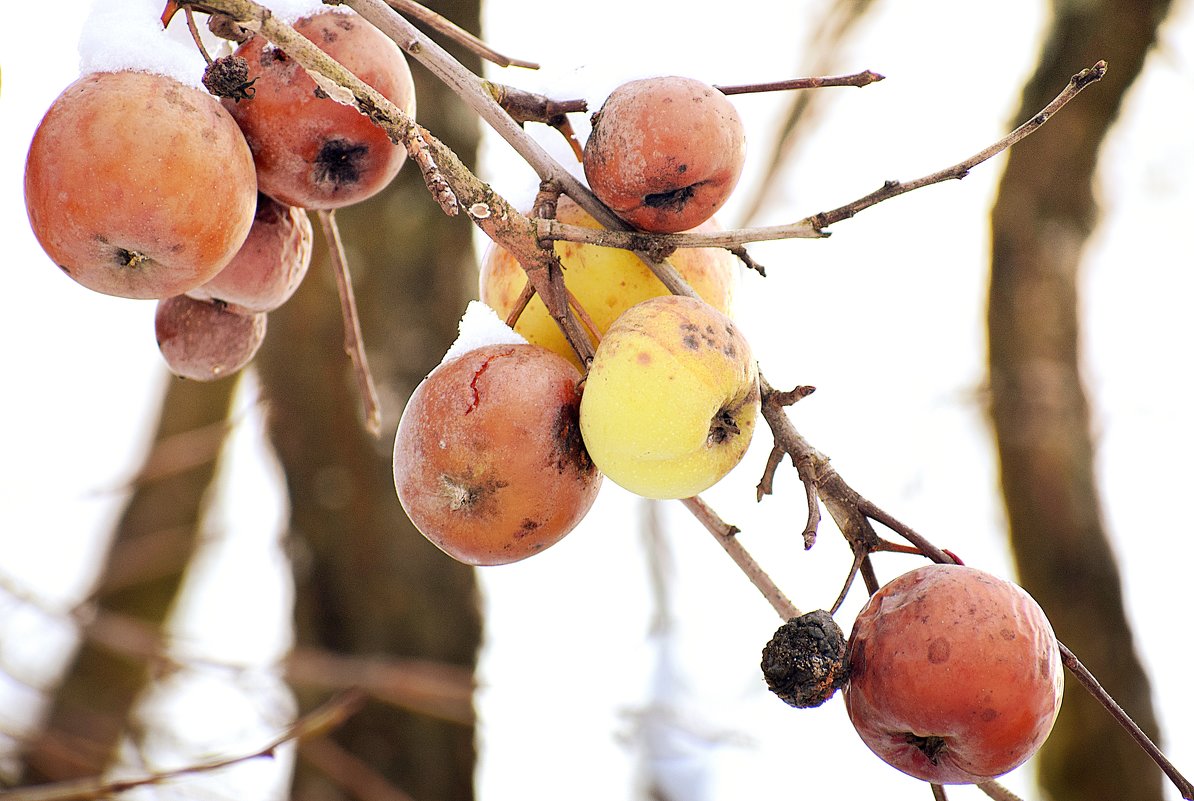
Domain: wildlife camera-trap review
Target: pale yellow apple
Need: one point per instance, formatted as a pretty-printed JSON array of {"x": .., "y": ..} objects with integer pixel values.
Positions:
[
  {"x": 671, "y": 399},
  {"x": 606, "y": 281}
]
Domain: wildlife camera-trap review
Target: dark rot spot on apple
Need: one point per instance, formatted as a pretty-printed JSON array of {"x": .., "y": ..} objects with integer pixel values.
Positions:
[
  {"x": 932, "y": 747},
  {"x": 805, "y": 662},
  {"x": 570, "y": 453},
  {"x": 340, "y": 163},
  {"x": 939, "y": 651},
  {"x": 691, "y": 342},
  {"x": 643, "y": 357},
  {"x": 672, "y": 199},
  {"x": 988, "y": 715},
  {"x": 526, "y": 528},
  {"x": 1007, "y": 634},
  {"x": 722, "y": 427}
]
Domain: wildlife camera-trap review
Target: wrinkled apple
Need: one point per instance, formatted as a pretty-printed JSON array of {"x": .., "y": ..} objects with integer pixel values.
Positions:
[
  {"x": 488, "y": 459},
  {"x": 205, "y": 340},
  {"x": 955, "y": 675},
  {"x": 605, "y": 281},
  {"x": 665, "y": 153},
  {"x": 671, "y": 399}
]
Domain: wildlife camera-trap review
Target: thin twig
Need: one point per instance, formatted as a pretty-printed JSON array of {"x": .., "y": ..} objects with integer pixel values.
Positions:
[
  {"x": 997, "y": 791},
  {"x": 813, "y": 227},
  {"x": 348, "y": 771},
  {"x": 194, "y": 29},
  {"x": 450, "y": 29},
  {"x": 725, "y": 534},
  {"x": 938, "y": 792},
  {"x": 864, "y": 78},
  {"x": 1092, "y": 686},
  {"x": 319, "y": 721},
  {"x": 354, "y": 344}
]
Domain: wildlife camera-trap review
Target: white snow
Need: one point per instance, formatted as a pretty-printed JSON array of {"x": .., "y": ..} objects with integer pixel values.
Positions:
[
  {"x": 481, "y": 326},
  {"x": 129, "y": 36}
]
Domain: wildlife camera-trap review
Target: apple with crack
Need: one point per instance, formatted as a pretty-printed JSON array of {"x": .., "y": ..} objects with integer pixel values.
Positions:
[
  {"x": 488, "y": 459},
  {"x": 605, "y": 281},
  {"x": 671, "y": 399}
]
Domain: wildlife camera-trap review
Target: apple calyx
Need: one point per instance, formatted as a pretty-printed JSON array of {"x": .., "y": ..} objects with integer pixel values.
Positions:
[{"x": 931, "y": 746}]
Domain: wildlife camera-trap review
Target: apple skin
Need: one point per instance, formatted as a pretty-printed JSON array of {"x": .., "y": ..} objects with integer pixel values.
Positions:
[
  {"x": 671, "y": 399},
  {"x": 269, "y": 266},
  {"x": 206, "y": 341},
  {"x": 606, "y": 281},
  {"x": 665, "y": 153},
  {"x": 312, "y": 151},
  {"x": 488, "y": 460},
  {"x": 955, "y": 675},
  {"x": 139, "y": 186}
]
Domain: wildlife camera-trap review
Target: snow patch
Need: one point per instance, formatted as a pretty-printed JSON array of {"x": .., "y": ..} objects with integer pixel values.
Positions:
[
  {"x": 481, "y": 326},
  {"x": 128, "y": 35}
]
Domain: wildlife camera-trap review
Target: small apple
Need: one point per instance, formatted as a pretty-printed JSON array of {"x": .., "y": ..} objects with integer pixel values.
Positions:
[
  {"x": 205, "y": 340},
  {"x": 605, "y": 281},
  {"x": 488, "y": 459},
  {"x": 955, "y": 675},
  {"x": 671, "y": 399},
  {"x": 269, "y": 266},
  {"x": 665, "y": 153},
  {"x": 139, "y": 186}
]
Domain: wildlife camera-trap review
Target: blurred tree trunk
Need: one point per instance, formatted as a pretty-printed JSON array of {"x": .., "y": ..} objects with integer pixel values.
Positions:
[
  {"x": 367, "y": 583},
  {"x": 152, "y": 545},
  {"x": 1041, "y": 220}
]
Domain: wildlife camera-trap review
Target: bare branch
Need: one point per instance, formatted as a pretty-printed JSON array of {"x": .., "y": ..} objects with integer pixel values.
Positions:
[
  {"x": 864, "y": 78},
  {"x": 457, "y": 34},
  {"x": 317, "y": 722}
]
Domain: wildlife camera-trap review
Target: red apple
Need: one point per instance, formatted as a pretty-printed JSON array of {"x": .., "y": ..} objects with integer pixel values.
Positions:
[
  {"x": 665, "y": 153},
  {"x": 955, "y": 675},
  {"x": 206, "y": 340},
  {"x": 311, "y": 150},
  {"x": 139, "y": 186},
  {"x": 488, "y": 459},
  {"x": 270, "y": 265}
]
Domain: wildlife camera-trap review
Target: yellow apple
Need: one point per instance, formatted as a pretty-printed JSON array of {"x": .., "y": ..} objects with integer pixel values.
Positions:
[
  {"x": 606, "y": 281},
  {"x": 671, "y": 399}
]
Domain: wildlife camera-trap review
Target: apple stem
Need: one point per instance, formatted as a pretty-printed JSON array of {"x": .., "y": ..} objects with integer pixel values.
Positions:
[
  {"x": 354, "y": 344},
  {"x": 995, "y": 790},
  {"x": 938, "y": 792}
]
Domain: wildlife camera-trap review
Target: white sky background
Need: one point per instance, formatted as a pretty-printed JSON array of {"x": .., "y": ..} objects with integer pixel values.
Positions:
[{"x": 886, "y": 318}]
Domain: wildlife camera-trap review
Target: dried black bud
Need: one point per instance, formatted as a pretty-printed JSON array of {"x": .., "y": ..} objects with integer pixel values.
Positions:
[
  {"x": 229, "y": 77},
  {"x": 805, "y": 662}
]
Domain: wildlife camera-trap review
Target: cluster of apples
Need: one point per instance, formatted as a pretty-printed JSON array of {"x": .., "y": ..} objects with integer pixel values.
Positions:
[
  {"x": 500, "y": 451},
  {"x": 140, "y": 186}
]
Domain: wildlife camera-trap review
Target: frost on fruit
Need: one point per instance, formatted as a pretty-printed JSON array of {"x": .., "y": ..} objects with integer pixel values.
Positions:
[{"x": 480, "y": 326}]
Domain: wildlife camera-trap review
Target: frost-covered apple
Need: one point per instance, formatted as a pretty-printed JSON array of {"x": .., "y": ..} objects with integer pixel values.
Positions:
[
  {"x": 139, "y": 186},
  {"x": 488, "y": 459},
  {"x": 665, "y": 153},
  {"x": 671, "y": 399},
  {"x": 955, "y": 675},
  {"x": 311, "y": 150},
  {"x": 605, "y": 281},
  {"x": 269, "y": 266}
]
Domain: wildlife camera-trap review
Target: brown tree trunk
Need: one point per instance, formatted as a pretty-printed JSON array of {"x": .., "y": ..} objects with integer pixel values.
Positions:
[
  {"x": 1042, "y": 218},
  {"x": 366, "y": 582},
  {"x": 151, "y": 548}
]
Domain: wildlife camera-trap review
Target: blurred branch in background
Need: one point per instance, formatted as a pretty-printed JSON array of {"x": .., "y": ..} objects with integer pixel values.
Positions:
[
  {"x": 820, "y": 56},
  {"x": 151, "y": 549},
  {"x": 1042, "y": 218}
]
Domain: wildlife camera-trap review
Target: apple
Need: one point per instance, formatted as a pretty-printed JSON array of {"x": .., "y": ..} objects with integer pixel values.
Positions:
[
  {"x": 488, "y": 460},
  {"x": 269, "y": 266},
  {"x": 605, "y": 281},
  {"x": 205, "y": 340},
  {"x": 139, "y": 186},
  {"x": 955, "y": 675},
  {"x": 312, "y": 151},
  {"x": 671, "y": 398},
  {"x": 665, "y": 153}
]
